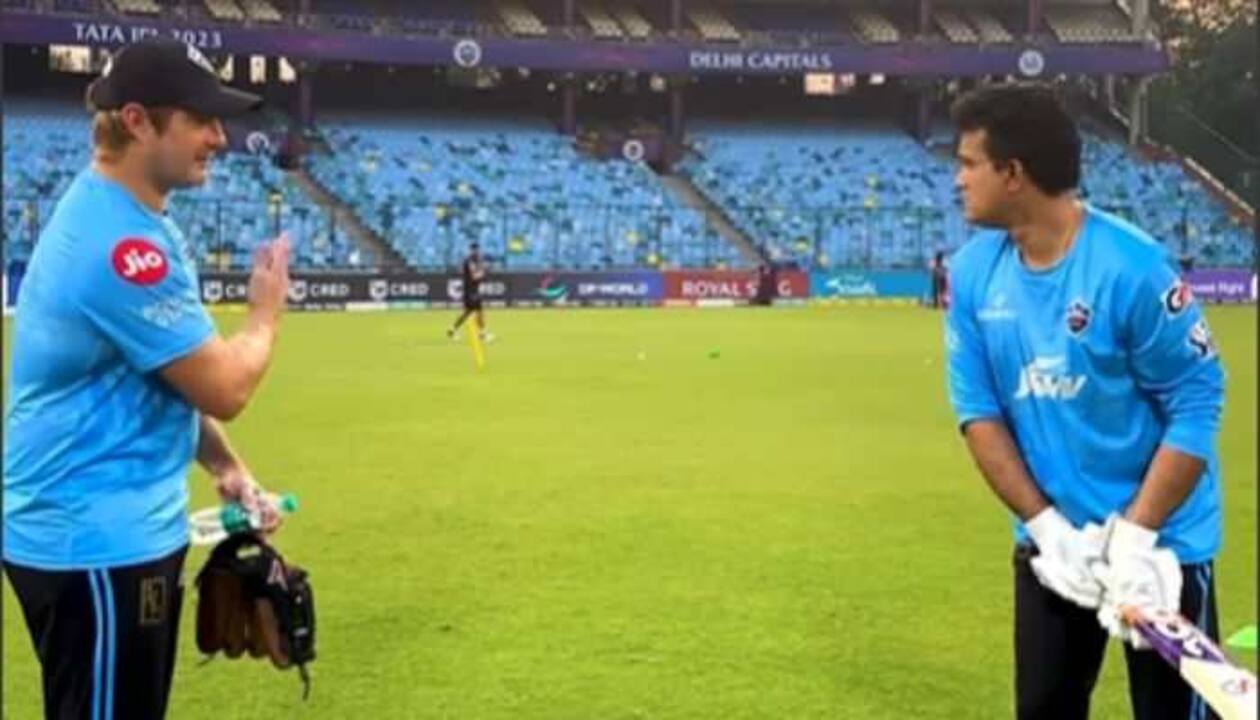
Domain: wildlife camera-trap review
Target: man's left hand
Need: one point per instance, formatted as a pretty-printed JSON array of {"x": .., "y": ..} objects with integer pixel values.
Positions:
[
  {"x": 1135, "y": 573},
  {"x": 237, "y": 484}
]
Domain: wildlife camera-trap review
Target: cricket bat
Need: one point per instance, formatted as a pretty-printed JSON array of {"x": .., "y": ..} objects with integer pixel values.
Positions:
[{"x": 1229, "y": 689}]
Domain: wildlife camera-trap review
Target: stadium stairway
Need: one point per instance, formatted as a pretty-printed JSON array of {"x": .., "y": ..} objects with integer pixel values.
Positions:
[
  {"x": 358, "y": 232},
  {"x": 691, "y": 196}
]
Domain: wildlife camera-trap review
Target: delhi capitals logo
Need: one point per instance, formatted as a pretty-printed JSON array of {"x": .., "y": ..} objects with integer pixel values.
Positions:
[
  {"x": 258, "y": 143},
  {"x": 467, "y": 53},
  {"x": 1078, "y": 316},
  {"x": 1032, "y": 63},
  {"x": 634, "y": 150}
]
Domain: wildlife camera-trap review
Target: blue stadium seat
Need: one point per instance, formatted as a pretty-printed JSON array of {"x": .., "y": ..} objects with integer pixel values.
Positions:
[
  {"x": 76, "y": 6},
  {"x": 246, "y": 200},
  {"x": 1164, "y": 200},
  {"x": 430, "y": 186},
  {"x": 828, "y": 195},
  {"x": 847, "y": 195},
  {"x": 351, "y": 15},
  {"x": 820, "y": 195}
]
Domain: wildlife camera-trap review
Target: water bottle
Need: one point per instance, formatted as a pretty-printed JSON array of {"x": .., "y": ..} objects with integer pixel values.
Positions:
[{"x": 211, "y": 525}]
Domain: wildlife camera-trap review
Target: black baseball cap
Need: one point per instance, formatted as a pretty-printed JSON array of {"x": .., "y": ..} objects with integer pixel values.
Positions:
[{"x": 167, "y": 73}]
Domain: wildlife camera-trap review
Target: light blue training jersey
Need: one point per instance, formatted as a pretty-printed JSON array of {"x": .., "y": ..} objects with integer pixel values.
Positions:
[
  {"x": 1092, "y": 364},
  {"x": 96, "y": 446}
]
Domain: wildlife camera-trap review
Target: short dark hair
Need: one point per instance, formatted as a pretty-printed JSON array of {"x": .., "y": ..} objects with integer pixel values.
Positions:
[{"x": 1028, "y": 123}]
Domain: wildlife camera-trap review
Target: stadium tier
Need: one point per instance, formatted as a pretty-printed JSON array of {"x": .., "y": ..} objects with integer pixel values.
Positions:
[
  {"x": 432, "y": 185},
  {"x": 415, "y": 188},
  {"x": 246, "y": 200},
  {"x": 1089, "y": 24},
  {"x": 814, "y": 194},
  {"x": 828, "y": 194},
  {"x": 456, "y": 17},
  {"x": 831, "y": 195},
  {"x": 1161, "y": 198}
]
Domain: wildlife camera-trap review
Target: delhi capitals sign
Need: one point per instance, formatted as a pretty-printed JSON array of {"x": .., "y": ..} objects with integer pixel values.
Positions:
[{"x": 760, "y": 61}]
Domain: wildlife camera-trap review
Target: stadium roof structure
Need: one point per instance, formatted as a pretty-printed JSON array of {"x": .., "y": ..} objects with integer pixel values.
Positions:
[{"x": 931, "y": 38}]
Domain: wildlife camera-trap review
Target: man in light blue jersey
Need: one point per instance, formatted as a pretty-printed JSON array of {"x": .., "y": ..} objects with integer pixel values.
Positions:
[
  {"x": 1089, "y": 391},
  {"x": 118, "y": 382}
]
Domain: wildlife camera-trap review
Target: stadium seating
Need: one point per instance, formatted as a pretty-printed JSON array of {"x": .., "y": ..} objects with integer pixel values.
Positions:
[
  {"x": 75, "y": 6},
  {"x": 991, "y": 29},
  {"x": 519, "y": 19},
  {"x": 873, "y": 27},
  {"x": 430, "y": 186},
  {"x": 712, "y": 24},
  {"x": 245, "y": 201},
  {"x": 790, "y": 23},
  {"x": 441, "y": 16},
  {"x": 824, "y": 194},
  {"x": 837, "y": 196},
  {"x": 44, "y": 148},
  {"x": 635, "y": 25},
  {"x": 345, "y": 14},
  {"x": 138, "y": 7},
  {"x": 603, "y": 25},
  {"x": 261, "y": 11},
  {"x": 821, "y": 194},
  {"x": 1165, "y": 201},
  {"x": 955, "y": 27},
  {"x": 224, "y": 10},
  {"x": 1089, "y": 24}
]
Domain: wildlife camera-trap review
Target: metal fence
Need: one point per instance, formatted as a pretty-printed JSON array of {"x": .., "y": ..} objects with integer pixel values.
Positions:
[
  {"x": 223, "y": 233},
  {"x": 851, "y": 236}
]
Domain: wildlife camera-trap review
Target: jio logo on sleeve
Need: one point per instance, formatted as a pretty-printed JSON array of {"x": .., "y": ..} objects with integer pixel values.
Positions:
[{"x": 140, "y": 262}]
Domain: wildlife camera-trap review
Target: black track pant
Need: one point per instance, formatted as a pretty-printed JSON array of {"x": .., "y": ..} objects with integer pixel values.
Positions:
[
  {"x": 1059, "y": 649},
  {"x": 105, "y": 638}
]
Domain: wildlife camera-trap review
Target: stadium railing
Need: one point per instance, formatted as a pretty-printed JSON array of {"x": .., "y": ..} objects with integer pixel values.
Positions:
[
  {"x": 222, "y": 233},
  {"x": 541, "y": 236}
]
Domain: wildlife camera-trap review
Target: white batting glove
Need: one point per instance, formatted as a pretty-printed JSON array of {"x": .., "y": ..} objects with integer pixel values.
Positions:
[
  {"x": 1066, "y": 556},
  {"x": 1135, "y": 573}
]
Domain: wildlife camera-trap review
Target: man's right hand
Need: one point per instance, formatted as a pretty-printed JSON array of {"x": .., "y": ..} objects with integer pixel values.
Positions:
[
  {"x": 1066, "y": 557},
  {"x": 269, "y": 279}
]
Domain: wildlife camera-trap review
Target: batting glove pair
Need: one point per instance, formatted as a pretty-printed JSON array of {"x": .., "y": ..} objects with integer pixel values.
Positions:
[{"x": 1105, "y": 568}]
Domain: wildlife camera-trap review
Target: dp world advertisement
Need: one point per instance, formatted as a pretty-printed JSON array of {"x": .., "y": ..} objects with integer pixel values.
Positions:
[{"x": 591, "y": 289}]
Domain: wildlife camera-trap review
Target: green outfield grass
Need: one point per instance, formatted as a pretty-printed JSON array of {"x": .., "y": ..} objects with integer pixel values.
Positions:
[{"x": 610, "y": 523}]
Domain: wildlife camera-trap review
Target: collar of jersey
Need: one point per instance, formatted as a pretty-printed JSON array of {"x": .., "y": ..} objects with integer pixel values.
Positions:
[{"x": 1082, "y": 235}]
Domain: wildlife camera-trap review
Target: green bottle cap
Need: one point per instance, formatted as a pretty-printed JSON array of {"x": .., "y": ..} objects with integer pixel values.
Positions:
[{"x": 235, "y": 518}]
